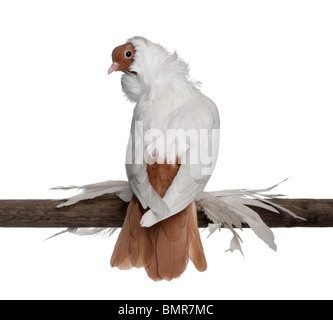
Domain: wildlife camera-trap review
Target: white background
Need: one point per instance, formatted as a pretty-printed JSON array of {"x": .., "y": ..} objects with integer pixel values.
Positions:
[{"x": 267, "y": 65}]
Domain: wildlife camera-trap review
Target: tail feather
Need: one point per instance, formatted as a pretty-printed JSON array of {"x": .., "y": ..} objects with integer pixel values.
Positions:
[
  {"x": 152, "y": 268},
  {"x": 133, "y": 247},
  {"x": 171, "y": 246},
  {"x": 196, "y": 251},
  {"x": 140, "y": 244},
  {"x": 163, "y": 249}
]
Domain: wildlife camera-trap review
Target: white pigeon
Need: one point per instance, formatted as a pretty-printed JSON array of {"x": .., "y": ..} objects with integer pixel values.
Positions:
[{"x": 171, "y": 154}]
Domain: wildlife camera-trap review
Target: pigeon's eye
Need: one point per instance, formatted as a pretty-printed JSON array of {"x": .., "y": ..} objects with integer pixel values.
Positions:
[{"x": 128, "y": 54}]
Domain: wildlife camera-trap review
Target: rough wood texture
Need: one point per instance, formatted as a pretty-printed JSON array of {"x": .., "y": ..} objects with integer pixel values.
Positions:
[{"x": 109, "y": 211}]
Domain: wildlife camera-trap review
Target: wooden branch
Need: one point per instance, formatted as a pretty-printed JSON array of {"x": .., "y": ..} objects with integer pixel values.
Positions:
[{"x": 109, "y": 211}]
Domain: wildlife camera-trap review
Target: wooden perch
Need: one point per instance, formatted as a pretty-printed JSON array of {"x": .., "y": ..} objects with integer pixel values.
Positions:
[{"x": 109, "y": 211}]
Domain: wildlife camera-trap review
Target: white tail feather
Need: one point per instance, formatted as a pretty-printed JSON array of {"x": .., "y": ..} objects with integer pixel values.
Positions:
[
  {"x": 227, "y": 208},
  {"x": 90, "y": 191}
]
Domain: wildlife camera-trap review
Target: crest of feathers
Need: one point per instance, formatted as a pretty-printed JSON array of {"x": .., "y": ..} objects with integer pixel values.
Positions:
[{"x": 167, "y": 74}]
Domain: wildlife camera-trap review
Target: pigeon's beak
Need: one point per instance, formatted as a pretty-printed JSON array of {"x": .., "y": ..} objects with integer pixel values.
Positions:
[{"x": 114, "y": 67}]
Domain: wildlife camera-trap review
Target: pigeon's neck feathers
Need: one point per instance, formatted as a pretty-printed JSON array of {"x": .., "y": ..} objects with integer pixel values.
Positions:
[{"x": 156, "y": 75}]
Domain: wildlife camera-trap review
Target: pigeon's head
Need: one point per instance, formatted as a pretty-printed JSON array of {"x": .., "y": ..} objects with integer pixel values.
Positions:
[{"x": 122, "y": 58}]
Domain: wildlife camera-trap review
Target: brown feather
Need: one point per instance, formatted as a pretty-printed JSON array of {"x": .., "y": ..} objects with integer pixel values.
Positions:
[
  {"x": 121, "y": 254},
  {"x": 165, "y": 248},
  {"x": 196, "y": 252},
  {"x": 152, "y": 267},
  {"x": 133, "y": 247}
]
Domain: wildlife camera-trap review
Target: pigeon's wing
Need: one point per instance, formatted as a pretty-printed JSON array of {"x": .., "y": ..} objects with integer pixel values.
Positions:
[
  {"x": 192, "y": 177},
  {"x": 136, "y": 169}
]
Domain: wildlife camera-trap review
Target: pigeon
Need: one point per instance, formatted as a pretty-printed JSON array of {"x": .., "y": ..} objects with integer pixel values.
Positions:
[{"x": 171, "y": 154}]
